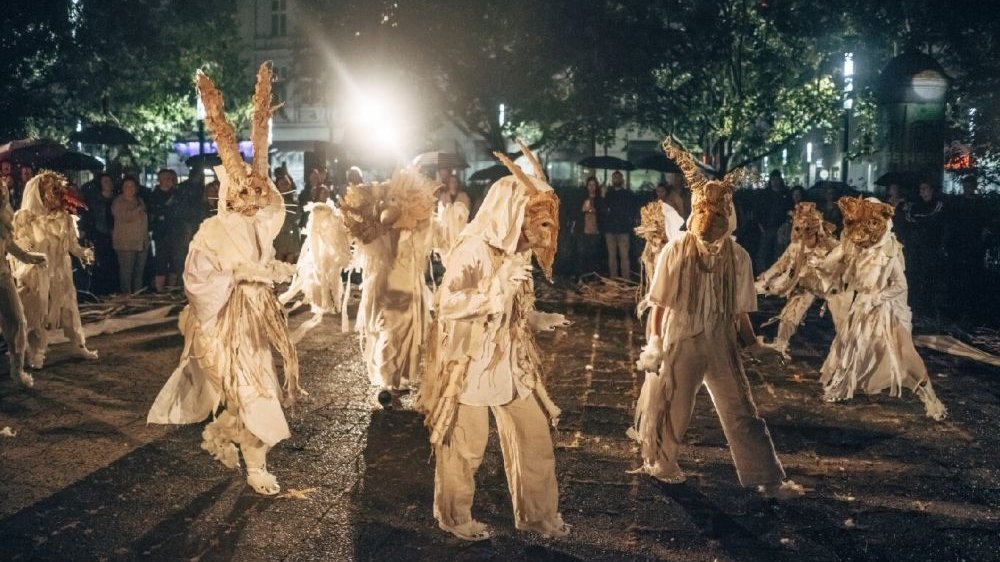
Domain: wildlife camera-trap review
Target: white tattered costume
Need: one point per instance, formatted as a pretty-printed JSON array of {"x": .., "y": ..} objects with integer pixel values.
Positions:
[
  {"x": 233, "y": 317},
  {"x": 699, "y": 292},
  {"x": 392, "y": 226},
  {"x": 796, "y": 276},
  {"x": 484, "y": 358},
  {"x": 659, "y": 224},
  {"x": 45, "y": 224},
  {"x": 873, "y": 351},
  {"x": 15, "y": 328},
  {"x": 326, "y": 253},
  {"x": 452, "y": 216}
]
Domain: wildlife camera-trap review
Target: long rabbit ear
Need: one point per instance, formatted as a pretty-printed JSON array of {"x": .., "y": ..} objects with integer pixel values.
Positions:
[
  {"x": 692, "y": 174},
  {"x": 735, "y": 177},
  {"x": 261, "y": 118},
  {"x": 517, "y": 171},
  {"x": 222, "y": 130},
  {"x": 535, "y": 164}
]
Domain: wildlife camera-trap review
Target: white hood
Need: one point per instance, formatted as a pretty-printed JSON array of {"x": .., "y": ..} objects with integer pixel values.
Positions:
[{"x": 501, "y": 216}]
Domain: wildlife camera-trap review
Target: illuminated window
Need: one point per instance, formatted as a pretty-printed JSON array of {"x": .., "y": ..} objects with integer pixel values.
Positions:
[{"x": 279, "y": 18}]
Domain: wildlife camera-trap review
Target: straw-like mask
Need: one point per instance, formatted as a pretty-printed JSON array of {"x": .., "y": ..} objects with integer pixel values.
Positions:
[
  {"x": 541, "y": 215},
  {"x": 250, "y": 188},
  {"x": 865, "y": 221},
  {"x": 711, "y": 199}
]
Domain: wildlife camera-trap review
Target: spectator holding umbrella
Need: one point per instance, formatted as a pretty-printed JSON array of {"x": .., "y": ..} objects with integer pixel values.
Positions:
[
  {"x": 130, "y": 236},
  {"x": 894, "y": 195},
  {"x": 618, "y": 218}
]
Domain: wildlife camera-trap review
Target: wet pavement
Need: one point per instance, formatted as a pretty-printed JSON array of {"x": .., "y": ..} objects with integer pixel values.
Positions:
[{"x": 85, "y": 478}]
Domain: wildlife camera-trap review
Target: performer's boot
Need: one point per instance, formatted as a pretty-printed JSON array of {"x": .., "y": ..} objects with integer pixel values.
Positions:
[
  {"x": 255, "y": 456},
  {"x": 17, "y": 370},
  {"x": 217, "y": 440},
  {"x": 934, "y": 408}
]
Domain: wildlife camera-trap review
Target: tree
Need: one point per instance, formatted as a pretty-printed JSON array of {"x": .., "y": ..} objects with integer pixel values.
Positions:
[{"x": 99, "y": 62}]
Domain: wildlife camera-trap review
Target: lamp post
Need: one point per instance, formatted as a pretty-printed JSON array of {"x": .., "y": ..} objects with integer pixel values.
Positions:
[{"x": 848, "y": 105}]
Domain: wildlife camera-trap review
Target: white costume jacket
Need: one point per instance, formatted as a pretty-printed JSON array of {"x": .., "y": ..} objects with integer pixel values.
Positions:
[
  {"x": 230, "y": 324},
  {"x": 47, "y": 291}
]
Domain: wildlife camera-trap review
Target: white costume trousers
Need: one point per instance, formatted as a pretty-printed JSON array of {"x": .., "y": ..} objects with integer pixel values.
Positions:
[
  {"x": 711, "y": 358},
  {"x": 529, "y": 461}
]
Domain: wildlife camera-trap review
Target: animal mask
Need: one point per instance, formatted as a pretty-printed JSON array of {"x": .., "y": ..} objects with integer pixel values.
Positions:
[
  {"x": 55, "y": 193},
  {"x": 865, "y": 221},
  {"x": 711, "y": 199},
  {"x": 541, "y": 215},
  {"x": 249, "y": 188}
]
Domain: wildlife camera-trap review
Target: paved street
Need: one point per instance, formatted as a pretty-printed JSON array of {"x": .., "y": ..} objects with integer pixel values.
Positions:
[{"x": 86, "y": 479}]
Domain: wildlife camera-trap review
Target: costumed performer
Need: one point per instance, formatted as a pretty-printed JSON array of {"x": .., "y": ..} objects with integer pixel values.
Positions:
[
  {"x": 796, "y": 278},
  {"x": 15, "y": 328},
  {"x": 233, "y": 318},
  {"x": 484, "y": 359},
  {"x": 391, "y": 225},
  {"x": 700, "y": 296},
  {"x": 326, "y": 253},
  {"x": 873, "y": 351},
  {"x": 46, "y": 223}
]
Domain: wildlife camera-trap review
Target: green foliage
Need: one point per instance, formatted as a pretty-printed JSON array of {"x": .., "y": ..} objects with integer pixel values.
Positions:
[{"x": 131, "y": 64}]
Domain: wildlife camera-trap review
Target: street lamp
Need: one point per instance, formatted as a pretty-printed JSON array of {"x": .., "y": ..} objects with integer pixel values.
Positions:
[{"x": 848, "y": 104}]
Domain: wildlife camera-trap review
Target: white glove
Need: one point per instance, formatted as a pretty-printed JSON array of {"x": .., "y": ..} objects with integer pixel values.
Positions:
[
  {"x": 651, "y": 356},
  {"x": 547, "y": 321},
  {"x": 271, "y": 272},
  {"x": 281, "y": 271}
]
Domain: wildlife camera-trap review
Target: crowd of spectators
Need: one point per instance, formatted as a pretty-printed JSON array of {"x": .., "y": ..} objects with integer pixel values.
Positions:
[{"x": 951, "y": 244}]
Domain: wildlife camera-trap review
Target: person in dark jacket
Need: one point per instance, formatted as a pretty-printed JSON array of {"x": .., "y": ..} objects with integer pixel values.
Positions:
[
  {"x": 923, "y": 230},
  {"x": 96, "y": 225},
  {"x": 165, "y": 216},
  {"x": 774, "y": 205},
  {"x": 618, "y": 219}
]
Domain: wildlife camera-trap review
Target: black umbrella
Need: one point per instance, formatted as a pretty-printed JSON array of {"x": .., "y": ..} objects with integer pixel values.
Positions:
[
  {"x": 658, "y": 162},
  {"x": 29, "y": 151},
  {"x": 606, "y": 163},
  {"x": 103, "y": 133},
  {"x": 440, "y": 161},
  {"x": 491, "y": 174},
  {"x": 72, "y": 160},
  {"x": 903, "y": 179}
]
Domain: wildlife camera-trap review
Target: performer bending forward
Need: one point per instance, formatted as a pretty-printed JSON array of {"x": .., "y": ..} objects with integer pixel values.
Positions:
[
  {"x": 486, "y": 359},
  {"x": 796, "y": 277},
  {"x": 233, "y": 317},
  {"x": 701, "y": 292},
  {"x": 873, "y": 350}
]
